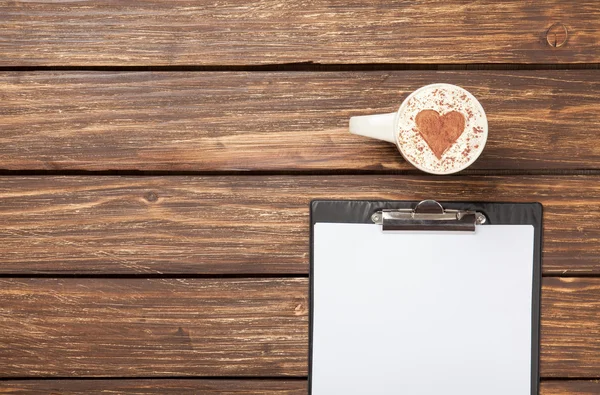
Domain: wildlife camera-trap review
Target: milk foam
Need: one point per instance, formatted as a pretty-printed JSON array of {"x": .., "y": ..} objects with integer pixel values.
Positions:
[{"x": 442, "y": 99}]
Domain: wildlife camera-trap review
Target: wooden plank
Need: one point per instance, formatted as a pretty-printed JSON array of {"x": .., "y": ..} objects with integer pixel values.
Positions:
[
  {"x": 155, "y": 386},
  {"x": 232, "y": 32},
  {"x": 570, "y": 387},
  {"x": 224, "y": 387},
  {"x": 126, "y": 328},
  {"x": 215, "y": 327},
  {"x": 249, "y": 224},
  {"x": 568, "y": 321},
  {"x": 279, "y": 121}
]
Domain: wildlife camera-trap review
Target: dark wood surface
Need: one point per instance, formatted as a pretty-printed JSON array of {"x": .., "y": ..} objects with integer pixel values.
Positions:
[
  {"x": 290, "y": 121},
  {"x": 220, "y": 327},
  {"x": 234, "y": 32},
  {"x": 221, "y": 387},
  {"x": 154, "y": 327},
  {"x": 157, "y": 160},
  {"x": 147, "y": 387},
  {"x": 570, "y": 317},
  {"x": 563, "y": 387},
  {"x": 247, "y": 224}
]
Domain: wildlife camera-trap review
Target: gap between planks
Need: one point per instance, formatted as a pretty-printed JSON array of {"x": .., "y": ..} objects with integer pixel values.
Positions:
[{"x": 317, "y": 67}]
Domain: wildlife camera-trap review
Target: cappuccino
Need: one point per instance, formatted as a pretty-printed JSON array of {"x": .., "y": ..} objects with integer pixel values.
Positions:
[{"x": 441, "y": 129}]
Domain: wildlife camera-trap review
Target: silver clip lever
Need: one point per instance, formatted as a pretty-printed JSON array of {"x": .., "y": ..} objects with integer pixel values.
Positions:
[{"x": 428, "y": 215}]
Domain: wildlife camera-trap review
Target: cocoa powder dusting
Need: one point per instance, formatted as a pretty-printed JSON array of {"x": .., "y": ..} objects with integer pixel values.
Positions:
[
  {"x": 440, "y": 132},
  {"x": 432, "y": 142}
]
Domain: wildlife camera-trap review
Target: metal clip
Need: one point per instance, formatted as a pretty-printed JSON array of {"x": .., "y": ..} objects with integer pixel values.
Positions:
[{"x": 428, "y": 215}]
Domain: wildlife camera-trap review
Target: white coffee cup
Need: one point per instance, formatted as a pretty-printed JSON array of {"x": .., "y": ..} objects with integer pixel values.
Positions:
[{"x": 400, "y": 128}]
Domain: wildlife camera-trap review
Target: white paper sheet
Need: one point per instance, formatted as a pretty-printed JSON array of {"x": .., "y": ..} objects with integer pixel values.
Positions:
[{"x": 425, "y": 313}]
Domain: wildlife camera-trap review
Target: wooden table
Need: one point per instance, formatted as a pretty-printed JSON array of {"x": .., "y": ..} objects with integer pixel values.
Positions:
[{"x": 158, "y": 158}]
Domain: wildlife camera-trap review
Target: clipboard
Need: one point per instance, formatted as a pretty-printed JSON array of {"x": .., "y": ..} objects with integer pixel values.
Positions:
[{"x": 367, "y": 337}]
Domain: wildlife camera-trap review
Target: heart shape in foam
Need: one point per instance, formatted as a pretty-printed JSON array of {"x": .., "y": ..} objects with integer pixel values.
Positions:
[{"x": 440, "y": 132}]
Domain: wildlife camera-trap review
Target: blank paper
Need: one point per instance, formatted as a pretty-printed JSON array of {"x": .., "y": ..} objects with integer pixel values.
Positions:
[{"x": 422, "y": 312}]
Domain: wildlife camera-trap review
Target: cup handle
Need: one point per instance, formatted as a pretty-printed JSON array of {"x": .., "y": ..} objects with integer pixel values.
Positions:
[{"x": 379, "y": 126}]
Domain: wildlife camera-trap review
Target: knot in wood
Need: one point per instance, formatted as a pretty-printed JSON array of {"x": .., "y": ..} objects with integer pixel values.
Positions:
[
  {"x": 151, "y": 197},
  {"x": 557, "y": 34}
]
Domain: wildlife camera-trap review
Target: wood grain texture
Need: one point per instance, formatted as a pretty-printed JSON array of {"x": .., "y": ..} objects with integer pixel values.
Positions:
[
  {"x": 214, "y": 327},
  {"x": 233, "y": 32},
  {"x": 156, "y": 386},
  {"x": 570, "y": 387},
  {"x": 279, "y": 121},
  {"x": 249, "y": 224},
  {"x": 225, "y": 387},
  {"x": 564, "y": 317},
  {"x": 104, "y": 328}
]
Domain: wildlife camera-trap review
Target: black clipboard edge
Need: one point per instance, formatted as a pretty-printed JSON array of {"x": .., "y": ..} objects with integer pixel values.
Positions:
[{"x": 510, "y": 213}]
